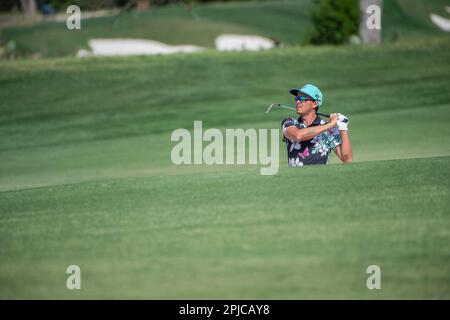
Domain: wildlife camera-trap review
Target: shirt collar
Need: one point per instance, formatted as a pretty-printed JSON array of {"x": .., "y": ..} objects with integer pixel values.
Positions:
[{"x": 316, "y": 121}]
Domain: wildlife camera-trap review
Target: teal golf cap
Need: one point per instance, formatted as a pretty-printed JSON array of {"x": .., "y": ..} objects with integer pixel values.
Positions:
[{"x": 311, "y": 90}]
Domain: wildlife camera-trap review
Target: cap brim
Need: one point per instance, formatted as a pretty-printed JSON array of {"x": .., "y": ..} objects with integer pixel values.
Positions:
[{"x": 294, "y": 91}]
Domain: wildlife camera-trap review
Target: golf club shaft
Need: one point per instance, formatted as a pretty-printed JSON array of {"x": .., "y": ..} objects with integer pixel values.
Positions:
[{"x": 292, "y": 108}]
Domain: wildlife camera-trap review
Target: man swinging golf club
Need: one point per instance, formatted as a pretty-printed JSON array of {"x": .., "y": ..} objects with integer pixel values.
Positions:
[{"x": 309, "y": 139}]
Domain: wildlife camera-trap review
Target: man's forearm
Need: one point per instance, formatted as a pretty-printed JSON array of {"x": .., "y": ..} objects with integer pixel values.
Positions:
[
  {"x": 308, "y": 133},
  {"x": 346, "y": 147}
]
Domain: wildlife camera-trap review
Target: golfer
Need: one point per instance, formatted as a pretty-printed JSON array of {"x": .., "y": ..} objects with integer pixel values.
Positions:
[{"x": 309, "y": 139}]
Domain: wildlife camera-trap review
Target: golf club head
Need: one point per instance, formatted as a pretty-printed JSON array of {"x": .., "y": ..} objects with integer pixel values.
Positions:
[{"x": 270, "y": 108}]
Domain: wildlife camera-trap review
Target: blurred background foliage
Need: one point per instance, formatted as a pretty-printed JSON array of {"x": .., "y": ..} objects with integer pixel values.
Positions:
[{"x": 8, "y": 5}]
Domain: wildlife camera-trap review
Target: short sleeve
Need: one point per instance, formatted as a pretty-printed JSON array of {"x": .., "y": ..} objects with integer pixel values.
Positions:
[{"x": 287, "y": 122}]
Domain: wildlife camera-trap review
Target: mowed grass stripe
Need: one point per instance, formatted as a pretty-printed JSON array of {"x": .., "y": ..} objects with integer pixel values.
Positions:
[{"x": 75, "y": 101}]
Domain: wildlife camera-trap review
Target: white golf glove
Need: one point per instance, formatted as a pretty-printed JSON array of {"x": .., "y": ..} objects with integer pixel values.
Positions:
[{"x": 342, "y": 126}]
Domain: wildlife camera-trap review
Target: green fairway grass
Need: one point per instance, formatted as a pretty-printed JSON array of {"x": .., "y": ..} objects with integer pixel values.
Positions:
[
  {"x": 217, "y": 235},
  {"x": 86, "y": 177},
  {"x": 287, "y": 22}
]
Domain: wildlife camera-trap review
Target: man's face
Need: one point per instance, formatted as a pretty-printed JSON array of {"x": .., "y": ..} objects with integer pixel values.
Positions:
[{"x": 304, "y": 104}]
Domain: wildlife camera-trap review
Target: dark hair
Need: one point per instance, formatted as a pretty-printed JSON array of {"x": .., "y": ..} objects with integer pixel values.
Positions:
[{"x": 317, "y": 106}]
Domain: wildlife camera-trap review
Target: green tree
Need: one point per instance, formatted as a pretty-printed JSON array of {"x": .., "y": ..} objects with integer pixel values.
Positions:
[{"x": 334, "y": 21}]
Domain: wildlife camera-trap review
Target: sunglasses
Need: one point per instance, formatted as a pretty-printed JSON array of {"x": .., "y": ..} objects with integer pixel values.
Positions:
[{"x": 303, "y": 99}]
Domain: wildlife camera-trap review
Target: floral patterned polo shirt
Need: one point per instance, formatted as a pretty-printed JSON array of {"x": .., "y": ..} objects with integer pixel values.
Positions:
[{"x": 314, "y": 151}]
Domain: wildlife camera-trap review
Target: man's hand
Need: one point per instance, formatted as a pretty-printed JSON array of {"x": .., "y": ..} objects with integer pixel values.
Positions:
[
  {"x": 342, "y": 126},
  {"x": 333, "y": 119},
  {"x": 344, "y": 150}
]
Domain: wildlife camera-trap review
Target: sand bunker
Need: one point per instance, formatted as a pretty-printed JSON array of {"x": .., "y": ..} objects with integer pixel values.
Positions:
[
  {"x": 235, "y": 42},
  {"x": 128, "y": 47},
  {"x": 441, "y": 22}
]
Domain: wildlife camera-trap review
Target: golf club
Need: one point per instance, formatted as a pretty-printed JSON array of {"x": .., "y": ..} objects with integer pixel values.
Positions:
[{"x": 278, "y": 105}]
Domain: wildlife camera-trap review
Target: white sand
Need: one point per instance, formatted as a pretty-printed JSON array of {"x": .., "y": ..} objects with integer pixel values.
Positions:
[
  {"x": 128, "y": 47},
  {"x": 441, "y": 22},
  {"x": 235, "y": 42}
]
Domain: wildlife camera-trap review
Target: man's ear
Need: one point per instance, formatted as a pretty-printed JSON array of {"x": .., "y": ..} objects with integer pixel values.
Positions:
[{"x": 316, "y": 105}]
